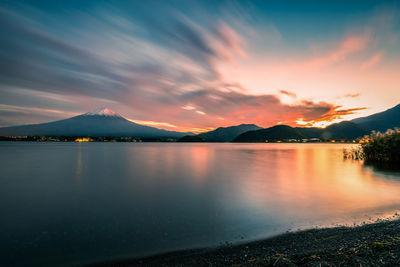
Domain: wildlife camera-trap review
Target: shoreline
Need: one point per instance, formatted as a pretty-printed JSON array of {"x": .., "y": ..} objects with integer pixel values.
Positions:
[{"x": 376, "y": 244}]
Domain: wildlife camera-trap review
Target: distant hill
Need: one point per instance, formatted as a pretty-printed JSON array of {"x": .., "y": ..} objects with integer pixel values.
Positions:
[
  {"x": 344, "y": 130},
  {"x": 310, "y": 132},
  {"x": 382, "y": 121},
  {"x": 349, "y": 130},
  {"x": 275, "y": 133},
  {"x": 227, "y": 134},
  {"x": 101, "y": 122}
]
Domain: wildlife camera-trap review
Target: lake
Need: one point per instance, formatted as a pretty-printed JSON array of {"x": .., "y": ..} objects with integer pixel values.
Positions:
[{"x": 71, "y": 203}]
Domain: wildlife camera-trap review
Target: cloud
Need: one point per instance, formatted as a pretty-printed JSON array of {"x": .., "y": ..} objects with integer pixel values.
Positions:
[
  {"x": 177, "y": 50},
  {"x": 153, "y": 123},
  {"x": 18, "y": 115},
  {"x": 188, "y": 107},
  {"x": 338, "y": 113},
  {"x": 265, "y": 109},
  {"x": 159, "y": 70},
  {"x": 291, "y": 94},
  {"x": 352, "y": 95},
  {"x": 348, "y": 46},
  {"x": 147, "y": 67},
  {"x": 334, "y": 115},
  {"x": 230, "y": 39},
  {"x": 375, "y": 59}
]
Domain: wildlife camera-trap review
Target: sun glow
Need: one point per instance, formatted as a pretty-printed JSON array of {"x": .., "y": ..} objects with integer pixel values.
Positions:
[{"x": 316, "y": 123}]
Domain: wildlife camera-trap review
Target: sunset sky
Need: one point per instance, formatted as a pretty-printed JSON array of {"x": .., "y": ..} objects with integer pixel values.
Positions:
[{"x": 197, "y": 65}]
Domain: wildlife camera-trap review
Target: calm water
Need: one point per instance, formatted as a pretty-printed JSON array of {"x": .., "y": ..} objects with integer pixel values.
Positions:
[{"x": 63, "y": 203}]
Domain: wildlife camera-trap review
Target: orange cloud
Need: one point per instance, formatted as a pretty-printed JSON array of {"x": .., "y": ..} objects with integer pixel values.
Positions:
[
  {"x": 163, "y": 125},
  {"x": 226, "y": 108},
  {"x": 333, "y": 116},
  {"x": 352, "y": 95}
]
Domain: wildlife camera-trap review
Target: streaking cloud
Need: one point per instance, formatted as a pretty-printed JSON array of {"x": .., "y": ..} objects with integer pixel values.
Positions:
[{"x": 183, "y": 68}]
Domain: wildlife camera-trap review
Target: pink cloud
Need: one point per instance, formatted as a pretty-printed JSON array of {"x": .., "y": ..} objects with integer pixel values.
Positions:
[
  {"x": 231, "y": 39},
  {"x": 227, "y": 43},
  {"x": 265, "y": 110},
  {"x": 348, "y": 46},
  {"x": 375, "y": 59}
]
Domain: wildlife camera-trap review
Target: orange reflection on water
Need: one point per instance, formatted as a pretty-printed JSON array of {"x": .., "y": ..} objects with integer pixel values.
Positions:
[
  {"x": 202, "y": 157},
  {"x": 314, "y": 180}
]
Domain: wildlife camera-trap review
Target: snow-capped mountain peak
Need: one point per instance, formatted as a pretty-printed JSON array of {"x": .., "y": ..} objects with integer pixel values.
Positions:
[{"x": 103, "y": 112}]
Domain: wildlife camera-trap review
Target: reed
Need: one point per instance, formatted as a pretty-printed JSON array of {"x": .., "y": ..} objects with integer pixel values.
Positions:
[{"x": 378, "y": 149}]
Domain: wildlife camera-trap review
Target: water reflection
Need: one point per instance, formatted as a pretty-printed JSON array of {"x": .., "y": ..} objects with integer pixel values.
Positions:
[
  {"x": 313, "y": 183},
  {"x": 98, "y": 201},
  {"x": 79, "y": 164}
]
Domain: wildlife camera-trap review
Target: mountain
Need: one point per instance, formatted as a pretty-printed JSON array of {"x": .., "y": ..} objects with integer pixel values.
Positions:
[
  {"x": 349, "y": 130},
  {"x": 309, "y": 132},
  {"x": 382, "y": 121},
  {"x": 343, "y": 130},
  {"x": 105, "y": 122},
  {"x": 275, "y": 133},
  {"x": 101, "y": 122},
  {"x": 227, "y": 134}
]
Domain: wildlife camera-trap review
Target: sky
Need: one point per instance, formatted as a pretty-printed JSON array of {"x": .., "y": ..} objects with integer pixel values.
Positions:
[{"x": 197, "y": 65}]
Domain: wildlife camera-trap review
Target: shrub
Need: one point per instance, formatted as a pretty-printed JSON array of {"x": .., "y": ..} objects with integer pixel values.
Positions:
[{"x": 377, "y": 149}]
